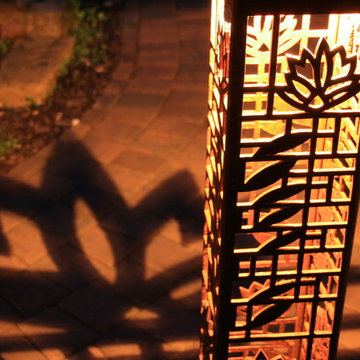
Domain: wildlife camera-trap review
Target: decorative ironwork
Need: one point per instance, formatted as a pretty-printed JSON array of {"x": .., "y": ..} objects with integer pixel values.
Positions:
[
  {"x": 281, "y": 200},
  {"x": 323, "y": 90},
  {"x": 218, "y": 80}
]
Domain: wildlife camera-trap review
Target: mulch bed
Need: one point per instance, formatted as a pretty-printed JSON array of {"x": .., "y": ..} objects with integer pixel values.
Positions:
[{"x": 25, "y": 131}]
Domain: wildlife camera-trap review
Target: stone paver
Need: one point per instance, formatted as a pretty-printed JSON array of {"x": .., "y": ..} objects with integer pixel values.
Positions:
[
  {"x": 30, "y": 292},
  {"x": 40, "y": 48},
  {"x": 120, "y": 133},
  {"x": 36, "y": 19},
  {"x": 157, "y": 71},
  {"x": 96, "y": 305},
  {"x": 100, "y": 251},
  {"x": 141, "y": 285},
  {"x": 103, "y": 245},
  {"x": 188, "y": 292},
  {"x": 12, "y": 315},
  {"x": 61, "y": 336},
  {"x": 123, "y": 181},
  {"x": 164, "y": 255},
  {"x": 77, "y": 269},
  {"x": 129, "y": 342},
  {"x": 15, "y": 346},
  {"x": 100, "y": 228},
  {"x": 176, "y": 326},
  {"x": 44, "y": 57},
  {"x": 27, "y": 241}
]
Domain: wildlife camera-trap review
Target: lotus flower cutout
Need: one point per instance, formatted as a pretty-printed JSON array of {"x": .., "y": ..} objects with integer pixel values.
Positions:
[{"x": 326, "y": 88}]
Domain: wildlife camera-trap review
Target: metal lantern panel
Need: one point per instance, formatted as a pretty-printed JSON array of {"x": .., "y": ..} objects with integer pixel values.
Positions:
[{"x": 282, "y": 182}]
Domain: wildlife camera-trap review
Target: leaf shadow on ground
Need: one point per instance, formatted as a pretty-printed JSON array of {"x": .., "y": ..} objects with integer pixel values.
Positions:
[{"x": 38, "y": 297}]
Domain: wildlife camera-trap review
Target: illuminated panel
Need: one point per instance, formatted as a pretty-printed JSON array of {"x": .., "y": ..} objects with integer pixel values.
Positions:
[
  {"x": 218, "y": 84},
  {"x": 296, "y": 167}
]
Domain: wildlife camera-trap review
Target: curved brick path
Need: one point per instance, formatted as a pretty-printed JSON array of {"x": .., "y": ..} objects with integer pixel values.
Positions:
[
  {"x": 100, "y": 252},
  {"x": 101, "y": 233}
]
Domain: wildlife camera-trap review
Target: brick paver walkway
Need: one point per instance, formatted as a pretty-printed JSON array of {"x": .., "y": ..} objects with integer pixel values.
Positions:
[
  {"x": 100, "y": 253},
  {"x": 100, "y": 248}
]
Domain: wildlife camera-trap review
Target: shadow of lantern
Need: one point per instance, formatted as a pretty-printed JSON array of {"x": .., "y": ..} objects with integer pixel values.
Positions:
[{"x": 104, "y": 305}]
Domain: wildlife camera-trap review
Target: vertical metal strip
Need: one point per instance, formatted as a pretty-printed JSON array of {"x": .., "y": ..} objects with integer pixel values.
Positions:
[
  {"x": 273, "y": 63},
  {"x": 229, "y": 264},
  {"x": 346, "y": 260}
]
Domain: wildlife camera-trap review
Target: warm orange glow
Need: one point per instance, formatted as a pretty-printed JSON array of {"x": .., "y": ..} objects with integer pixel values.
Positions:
[{"x": 298, "y": 146}]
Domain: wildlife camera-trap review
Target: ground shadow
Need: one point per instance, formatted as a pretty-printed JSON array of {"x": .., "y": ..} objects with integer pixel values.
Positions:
[{"x": 38, "y": 295}]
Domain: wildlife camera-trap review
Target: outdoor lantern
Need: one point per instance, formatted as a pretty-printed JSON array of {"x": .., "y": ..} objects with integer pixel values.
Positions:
[{"x": 282, "y": 182}]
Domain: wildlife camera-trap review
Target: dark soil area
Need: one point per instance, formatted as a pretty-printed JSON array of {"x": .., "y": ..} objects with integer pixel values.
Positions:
[{"x": 24, "y": 131}]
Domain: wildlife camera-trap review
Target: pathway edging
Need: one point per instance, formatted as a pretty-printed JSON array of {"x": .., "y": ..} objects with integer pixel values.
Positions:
[{"x": 112, "y": 92}]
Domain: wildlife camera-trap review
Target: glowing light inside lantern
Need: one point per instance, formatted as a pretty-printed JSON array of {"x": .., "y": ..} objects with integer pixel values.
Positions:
[{"x": 295, "y": 172}]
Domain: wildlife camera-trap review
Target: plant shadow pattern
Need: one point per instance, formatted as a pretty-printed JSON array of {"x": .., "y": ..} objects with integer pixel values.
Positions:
[{"x": 38, "y": 297}]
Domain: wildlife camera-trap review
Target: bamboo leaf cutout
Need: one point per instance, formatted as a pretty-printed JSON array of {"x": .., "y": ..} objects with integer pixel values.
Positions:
[
  {"x": 281, "y": 215},
  {"x": 258, "y": 36},
  {"x": 282, "y": 144},
  {"x": 270, "y": 313},
  {"x": 264, "y": 295},
  {"x": 258, "y": 40},
  {"x": 268, "y": 175},
  {"x": 283, "y": 240},
  {"x": 279, "y": 194}
]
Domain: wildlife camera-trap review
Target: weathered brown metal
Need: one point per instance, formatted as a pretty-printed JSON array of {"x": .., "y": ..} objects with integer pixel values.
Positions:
[{"x": 282, "y": 183}]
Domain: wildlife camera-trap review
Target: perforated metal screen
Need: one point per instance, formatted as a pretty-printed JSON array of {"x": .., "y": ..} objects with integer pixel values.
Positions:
[{"x": 282, "y": 183}]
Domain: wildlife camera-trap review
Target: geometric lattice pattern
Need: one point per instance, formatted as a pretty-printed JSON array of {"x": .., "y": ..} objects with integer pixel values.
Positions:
[
  {"x": 218, "y": 80},
  {"x": 295, "y": 203}
]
